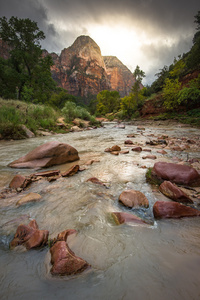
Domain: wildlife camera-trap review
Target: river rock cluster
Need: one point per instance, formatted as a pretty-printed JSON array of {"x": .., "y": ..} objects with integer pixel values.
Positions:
[{"x": 173, "y": 180}]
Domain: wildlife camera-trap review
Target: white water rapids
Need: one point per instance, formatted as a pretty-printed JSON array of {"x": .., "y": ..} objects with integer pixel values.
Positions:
[{"x": 153, "y": 262}]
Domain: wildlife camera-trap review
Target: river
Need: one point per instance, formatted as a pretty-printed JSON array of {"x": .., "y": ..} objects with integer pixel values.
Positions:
[{"x": 148, "y": 262}]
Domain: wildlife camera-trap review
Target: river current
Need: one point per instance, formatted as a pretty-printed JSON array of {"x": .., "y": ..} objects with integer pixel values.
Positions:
[{"x": 160, "y": 260}]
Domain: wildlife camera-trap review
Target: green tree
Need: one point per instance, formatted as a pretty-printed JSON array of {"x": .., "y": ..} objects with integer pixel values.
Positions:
[
  {"x": 60, "y": 97},
  {"x": 139, "y": 75},
  {"x": 178, "y": 68},
  {"x": 157, "y": 85},
  {"x": 25, "y": 69},
  {"x": 170, "y": 93},
  {"x": 108, "y": 102},
  {"x": 193, "y": 59}
]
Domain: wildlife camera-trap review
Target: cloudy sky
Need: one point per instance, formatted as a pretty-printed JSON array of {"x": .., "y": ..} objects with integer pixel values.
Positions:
[{"x": 148, "y": 33}]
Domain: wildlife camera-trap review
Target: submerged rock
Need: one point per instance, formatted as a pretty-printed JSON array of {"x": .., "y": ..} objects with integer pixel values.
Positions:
[
  {"x": 173, "y": 192},
  {"x": 128, "y": 142},
  {"x": 113, "y": 149},
  {"x": 149, "y": 157},
  {"x": 31, "y": 197},
  {"x": 132, "y": 198},
  {"x": 137, "y": 149},
  {"x": 181, "y": 174},
  {"x": 72, "y": 171},
  {"x": 46, "y": 155},
  {"x": 96, "y": 181},
  {"x": 123, "y": 217},
  {"x": 30, "y": 236},
  {"x": 163, "y": 209}
]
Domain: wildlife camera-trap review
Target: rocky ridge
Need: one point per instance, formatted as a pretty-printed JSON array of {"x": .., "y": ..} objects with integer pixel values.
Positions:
[{"x": 83, "y": 71}]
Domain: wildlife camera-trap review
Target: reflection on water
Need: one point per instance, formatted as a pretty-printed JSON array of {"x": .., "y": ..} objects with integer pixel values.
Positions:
[{"x": 157, "y": 261}]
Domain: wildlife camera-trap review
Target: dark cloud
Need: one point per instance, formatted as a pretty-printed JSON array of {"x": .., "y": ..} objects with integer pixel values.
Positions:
[{"x": 64, "y": 20}]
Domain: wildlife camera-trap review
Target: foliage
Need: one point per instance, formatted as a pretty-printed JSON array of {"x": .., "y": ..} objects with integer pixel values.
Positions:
[
  {"x": 178, "y": 68},
  {"x": 15, "y": 113},
  {"x": 136, "y": 88},
  {"x": 157, "y": 85},
  {"x": 170, "y": 93},
  {"x": 152, "y": 179},
  {"x": 26, "y": 74},
  {"x": 72, "y": 111},
  {"x": 193, "y": 59},
  {"x": 60, "y": 97},
  {"x": 108, "y": 102},
  {"x": 190, "y": 95}
]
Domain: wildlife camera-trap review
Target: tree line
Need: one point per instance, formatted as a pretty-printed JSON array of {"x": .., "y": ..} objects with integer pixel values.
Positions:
[{"x": 26, "y": 75}]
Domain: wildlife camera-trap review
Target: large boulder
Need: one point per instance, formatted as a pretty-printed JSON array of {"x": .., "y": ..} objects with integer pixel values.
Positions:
[
  {"x": 46, "y": 155},
  {"x": 63, "y": 259},
  {"x": 132, "y": 198},
  {"x": 176, "y": 173},
  {"x": 30, "y": 236},
  {"x": 164, "y": 209},
  {"x": 174, "y": 192}
]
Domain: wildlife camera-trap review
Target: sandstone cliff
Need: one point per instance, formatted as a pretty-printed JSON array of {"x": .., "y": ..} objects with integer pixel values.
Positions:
[
  {"x": 120, "y": 77},
  {"x": 83, "y": 71}
]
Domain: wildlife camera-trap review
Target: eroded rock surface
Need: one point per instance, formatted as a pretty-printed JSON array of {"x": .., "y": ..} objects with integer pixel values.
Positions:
[
  {"x": 165, "y": 209},
  {"x": 173, "y": 192},
  {"x": 46, "y": 155},
  {"x": 30, "y": 236},
  {"x": 181, "y": 174},
  {"x": 132, "y": 198}
]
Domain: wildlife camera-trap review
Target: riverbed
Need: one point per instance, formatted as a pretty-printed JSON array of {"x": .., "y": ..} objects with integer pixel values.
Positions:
[{"x": 159, "y": 260}]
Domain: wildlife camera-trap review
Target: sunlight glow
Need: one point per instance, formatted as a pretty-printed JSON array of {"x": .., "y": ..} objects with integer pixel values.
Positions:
[{"x": 117, "y": 40}]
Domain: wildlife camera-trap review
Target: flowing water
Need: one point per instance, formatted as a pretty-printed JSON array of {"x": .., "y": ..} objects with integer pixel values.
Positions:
[{"x": 156, "y": 261}]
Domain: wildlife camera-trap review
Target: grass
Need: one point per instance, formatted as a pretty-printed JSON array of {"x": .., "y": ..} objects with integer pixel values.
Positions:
[
  {"x": 152, "y": 179},
  {"x": 14, "y": 113}
]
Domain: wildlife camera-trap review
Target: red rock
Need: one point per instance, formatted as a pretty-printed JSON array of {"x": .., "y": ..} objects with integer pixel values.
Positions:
[
  {"x": 72, "y": 171},
  {"x": 173, "y": 192},
  {"x": 124, "y": 152},
  {"x": 123, "y": 217},
  {"x": 114, "y": 153},
  {"x": 149, "y": 157},
  {"x": 147, "y": 150},
  {"x": 47, "y": 173},
  {"x": 46, "y": 155},
  {"x": 90, "y": 162},
  {"x": 176, "y": 173},
  {"x": 115, "y": 148},
  {"x": 64, "y": 261},
  {"x": 163, "y": 209},
  {"x": 30, "y": 236},
  {"x": 62, "y": 236},
  {"x": 131, "y": 135},
  {"x": 18, "y": 181},
  {"x": 128, "y": 142},
  {"x": 137, "y": 149},
  {"x": 162, "y": 151},
  {"x": 132, "y": 198},
  {"x": 96, "y": 181}
]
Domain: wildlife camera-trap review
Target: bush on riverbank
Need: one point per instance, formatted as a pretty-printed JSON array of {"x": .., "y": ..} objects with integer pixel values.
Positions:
[{"x": 13, "y": 114}]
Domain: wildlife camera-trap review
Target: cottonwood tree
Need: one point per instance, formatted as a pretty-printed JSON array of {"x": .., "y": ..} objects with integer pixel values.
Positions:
[
  {"x": 27, "y": 73},
  {"x": 139, "y": 75}
]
